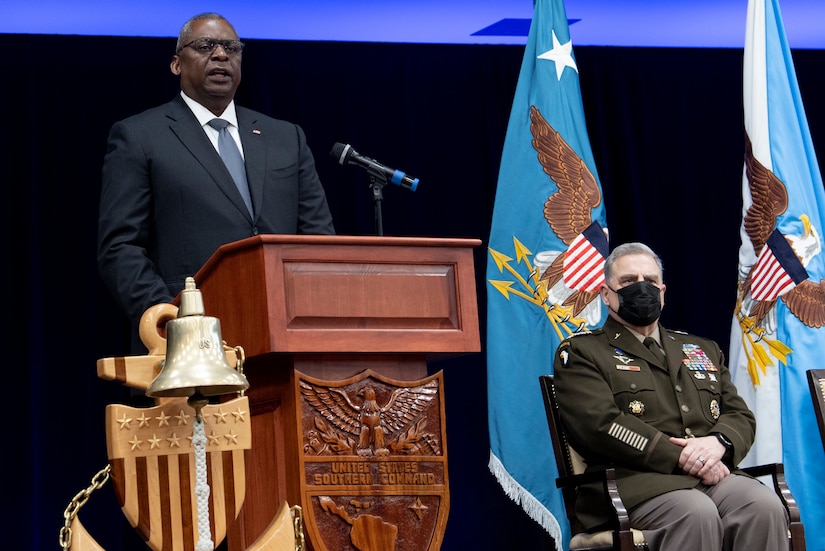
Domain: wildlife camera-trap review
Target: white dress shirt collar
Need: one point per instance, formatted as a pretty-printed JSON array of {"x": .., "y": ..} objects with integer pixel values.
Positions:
[{"x": 204, "y": 115}]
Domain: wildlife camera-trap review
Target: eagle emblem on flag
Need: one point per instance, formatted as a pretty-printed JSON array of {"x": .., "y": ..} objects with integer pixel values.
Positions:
[
  {"x": 779, "y": 270},
  {"x": 564, "y": 282}
]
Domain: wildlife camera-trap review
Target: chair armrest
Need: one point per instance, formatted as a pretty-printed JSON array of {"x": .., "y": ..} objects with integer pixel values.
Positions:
[
  {"x": 576, "y": 480},
  {"x": 777, "y": 473},
  {"x": 623, "y": 537}
]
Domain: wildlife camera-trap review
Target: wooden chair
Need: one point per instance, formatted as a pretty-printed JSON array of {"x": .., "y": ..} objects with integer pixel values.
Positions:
[
  {"x": 622, "y": 537},
  {"x": 816, "y": 378}
]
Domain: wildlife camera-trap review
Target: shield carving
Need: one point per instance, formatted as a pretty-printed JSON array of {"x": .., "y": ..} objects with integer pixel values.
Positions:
[
  {"x": 153, "y": 468},
  {"x": 374, "y": 463}
]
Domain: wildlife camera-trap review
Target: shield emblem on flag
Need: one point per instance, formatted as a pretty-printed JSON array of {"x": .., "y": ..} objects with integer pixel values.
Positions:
[
  {"x": 153, "y": 468},
  {"x": 374, "y": 463}
]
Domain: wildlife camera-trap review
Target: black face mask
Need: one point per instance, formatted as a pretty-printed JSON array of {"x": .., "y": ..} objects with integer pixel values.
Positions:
[{"x": 639, "y": 303}]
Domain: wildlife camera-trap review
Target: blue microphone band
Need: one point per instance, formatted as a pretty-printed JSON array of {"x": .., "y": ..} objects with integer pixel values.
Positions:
[{"x": 401, "y": 179}]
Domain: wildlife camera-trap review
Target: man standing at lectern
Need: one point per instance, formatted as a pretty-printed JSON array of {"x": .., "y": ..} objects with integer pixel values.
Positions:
[{"x": 169, "y": 195}]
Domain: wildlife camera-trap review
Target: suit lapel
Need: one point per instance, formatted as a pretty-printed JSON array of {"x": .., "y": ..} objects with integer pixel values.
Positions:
[
  {"x": 189, "y": 132},
  {"x": 254, "y": 148},
  {"x": 673, "y": 349}
]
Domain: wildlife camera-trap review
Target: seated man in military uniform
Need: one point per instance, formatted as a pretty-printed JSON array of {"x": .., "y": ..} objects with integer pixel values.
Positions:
[{"x": 659, "y": 406}]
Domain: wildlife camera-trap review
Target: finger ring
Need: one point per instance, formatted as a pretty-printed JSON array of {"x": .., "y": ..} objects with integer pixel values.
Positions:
[{"x": 701, "y": 460}]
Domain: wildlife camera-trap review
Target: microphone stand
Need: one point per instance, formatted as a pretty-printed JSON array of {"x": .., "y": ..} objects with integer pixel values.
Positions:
[{"x": 377, "y": 183}]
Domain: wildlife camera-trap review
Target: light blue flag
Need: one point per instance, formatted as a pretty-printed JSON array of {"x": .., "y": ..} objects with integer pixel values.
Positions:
[
  {"x": 778, "y": 329},
  {"x": 547, "y": 248}
]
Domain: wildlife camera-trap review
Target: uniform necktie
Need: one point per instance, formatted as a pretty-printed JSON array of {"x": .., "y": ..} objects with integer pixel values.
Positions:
[
  {"x": 228, "y": 150},
  {"x": 653, "y": 346}
]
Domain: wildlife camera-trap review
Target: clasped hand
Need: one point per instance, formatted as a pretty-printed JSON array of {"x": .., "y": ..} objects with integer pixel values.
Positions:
[{"x": 702, "y": 457}]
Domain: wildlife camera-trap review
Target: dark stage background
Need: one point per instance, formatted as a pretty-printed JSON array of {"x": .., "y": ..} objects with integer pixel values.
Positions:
[{"x": 666, "y": 129}]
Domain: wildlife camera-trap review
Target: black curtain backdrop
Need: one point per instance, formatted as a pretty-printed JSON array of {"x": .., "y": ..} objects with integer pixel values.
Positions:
[{"x": 665, "y": 126}]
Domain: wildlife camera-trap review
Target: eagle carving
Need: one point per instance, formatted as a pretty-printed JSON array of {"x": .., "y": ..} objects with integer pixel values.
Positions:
[
  {"x": 362, "y": 416},
  {"x": 568, "y": 212},
  {"x": 805, "y": 299}
]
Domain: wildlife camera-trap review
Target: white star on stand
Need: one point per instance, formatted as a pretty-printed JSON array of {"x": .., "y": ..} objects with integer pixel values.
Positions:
[{"x": 561, "y": 55}]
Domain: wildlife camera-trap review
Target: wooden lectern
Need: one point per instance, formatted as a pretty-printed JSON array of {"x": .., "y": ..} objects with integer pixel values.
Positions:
[{"x": 329, "y": 308}]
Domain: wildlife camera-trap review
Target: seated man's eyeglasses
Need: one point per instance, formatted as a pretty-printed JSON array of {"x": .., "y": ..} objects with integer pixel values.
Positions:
[{"x": 205, "y": 46}]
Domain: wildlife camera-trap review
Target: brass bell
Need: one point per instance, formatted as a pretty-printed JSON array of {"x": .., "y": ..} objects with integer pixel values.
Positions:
[{"x": 195, "y": 360}]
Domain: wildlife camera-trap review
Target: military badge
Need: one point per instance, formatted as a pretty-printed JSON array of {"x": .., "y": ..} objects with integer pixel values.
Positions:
[
  {"x": 714, "y": 409},
  {"x": 700, "y": 376},
  {"x": 622, "y": 367},
  {"x": 696, "y": 359},
  {"x": 622, "y": 358},
  {"x": 564, "y": 354},
  {"x": 636, "y": 407},
  {"x": 625, "y": 365}
]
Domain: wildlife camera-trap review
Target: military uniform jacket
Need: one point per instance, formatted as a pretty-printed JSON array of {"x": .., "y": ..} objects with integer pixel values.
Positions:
[{"x": 620, "y": 406}]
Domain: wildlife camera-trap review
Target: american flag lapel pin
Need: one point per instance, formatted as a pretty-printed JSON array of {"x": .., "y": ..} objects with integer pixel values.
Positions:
[{"x": 256, "y": 131}]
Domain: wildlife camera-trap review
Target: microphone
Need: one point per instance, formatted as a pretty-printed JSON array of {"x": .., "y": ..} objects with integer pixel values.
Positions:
[{"x": 346, "y": 155}]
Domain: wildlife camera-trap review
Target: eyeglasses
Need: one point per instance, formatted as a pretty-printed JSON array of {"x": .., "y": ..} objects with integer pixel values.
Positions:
[{"x": 205, "y": 46}]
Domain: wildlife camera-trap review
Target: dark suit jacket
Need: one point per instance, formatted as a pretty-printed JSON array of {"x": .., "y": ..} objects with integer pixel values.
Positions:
[
  {"x": 620, "y": 405},
  {"x": 168, "y": 202}
]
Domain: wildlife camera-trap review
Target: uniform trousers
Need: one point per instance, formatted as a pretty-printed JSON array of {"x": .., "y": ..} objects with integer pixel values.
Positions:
[{"x": 738, "y": 514}]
